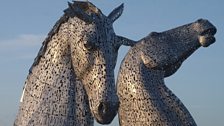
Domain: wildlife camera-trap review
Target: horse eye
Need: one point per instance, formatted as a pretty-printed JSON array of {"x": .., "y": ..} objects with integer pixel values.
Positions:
[{"x": 90, "y": 46}]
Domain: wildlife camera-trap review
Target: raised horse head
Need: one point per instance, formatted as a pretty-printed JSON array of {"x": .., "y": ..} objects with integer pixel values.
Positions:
[
  {"x": 144, "y": 97},
  {"x": 94, "y": 48},
  {"x": 167, "y": 50}
]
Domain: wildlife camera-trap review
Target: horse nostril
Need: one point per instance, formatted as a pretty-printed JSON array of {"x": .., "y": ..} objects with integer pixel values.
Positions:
[
  {"x": 106, "y": 112},
  {"x": 102, "y": 108}
]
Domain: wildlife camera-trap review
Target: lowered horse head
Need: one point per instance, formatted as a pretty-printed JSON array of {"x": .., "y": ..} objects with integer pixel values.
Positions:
[
  {"x": 167, "y": 50},
  {"x": 72, "y": 77},
  {"x": 94, "y": 48}
]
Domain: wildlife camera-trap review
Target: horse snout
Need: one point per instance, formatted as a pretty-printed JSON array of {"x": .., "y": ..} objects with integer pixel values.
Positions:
[
  {"x": 107, "y": 111},
  {"x": 207, "y": 38}
]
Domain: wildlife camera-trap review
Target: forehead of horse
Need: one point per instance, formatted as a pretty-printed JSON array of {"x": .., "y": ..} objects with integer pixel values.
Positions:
[{"x": 87, "y": 7}]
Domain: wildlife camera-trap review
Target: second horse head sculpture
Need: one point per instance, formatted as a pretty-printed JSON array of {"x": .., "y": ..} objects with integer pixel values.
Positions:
[{"x": 144, "y": 98}]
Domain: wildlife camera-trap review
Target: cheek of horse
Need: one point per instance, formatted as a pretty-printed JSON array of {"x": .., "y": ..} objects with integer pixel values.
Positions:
[
  {"x": 172, "y": 69},
  {"x": 82, "y": 60}
]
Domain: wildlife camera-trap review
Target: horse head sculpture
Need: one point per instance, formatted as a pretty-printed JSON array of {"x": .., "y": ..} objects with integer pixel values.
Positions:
[
  {"x": 94, "y": 53},
  {"x": 79, "y": 54},
  {"x": 167, "y": 50},
  {"x": 143, "y": 95}
]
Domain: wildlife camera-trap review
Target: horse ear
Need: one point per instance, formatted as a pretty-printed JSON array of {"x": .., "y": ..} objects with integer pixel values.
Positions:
[
  {"x": 116, "y": 13},
  {"x": 74, "y": 10}
]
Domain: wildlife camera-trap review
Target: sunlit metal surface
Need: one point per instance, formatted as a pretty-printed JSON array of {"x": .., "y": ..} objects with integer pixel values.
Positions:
[
  {"x": 72, "y": 78},
  {"x": 144, "y": 98}
]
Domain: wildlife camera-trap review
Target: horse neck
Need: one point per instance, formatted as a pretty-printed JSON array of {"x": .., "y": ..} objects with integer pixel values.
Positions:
[
  {"x": 54, "y": 53},
  {"x": 54, "y": 68}
]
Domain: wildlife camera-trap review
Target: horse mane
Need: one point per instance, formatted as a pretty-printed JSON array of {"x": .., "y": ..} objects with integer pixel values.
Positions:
[
  {"x": 78, "y": 9},
  {"x": 52, "y": 32},
  {"x": 87, "y": 6}
]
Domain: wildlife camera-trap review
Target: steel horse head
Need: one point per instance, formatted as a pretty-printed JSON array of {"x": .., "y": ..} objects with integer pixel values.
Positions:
[
  {"x": 143, "y": 95},
  {"x": 80, "y": 51}
]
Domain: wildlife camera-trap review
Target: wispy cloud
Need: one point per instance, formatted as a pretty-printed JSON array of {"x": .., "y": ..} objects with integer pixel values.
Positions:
[
  {"x": 21, "y": 47},
  {"x": 26, "y": 40}
]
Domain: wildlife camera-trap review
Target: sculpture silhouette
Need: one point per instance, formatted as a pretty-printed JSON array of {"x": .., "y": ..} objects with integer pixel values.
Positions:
[
  {"x": 144, "y": 98},
  {"x": 72, "y": 77}
]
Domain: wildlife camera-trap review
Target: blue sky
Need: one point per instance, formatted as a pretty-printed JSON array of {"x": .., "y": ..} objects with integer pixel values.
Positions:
[{"x": 198, "y": 83}]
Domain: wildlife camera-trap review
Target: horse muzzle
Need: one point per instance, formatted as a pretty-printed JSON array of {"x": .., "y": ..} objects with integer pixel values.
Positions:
[
  {"x": 106, "y": 112},
  {"x": 206, "y": 37}
]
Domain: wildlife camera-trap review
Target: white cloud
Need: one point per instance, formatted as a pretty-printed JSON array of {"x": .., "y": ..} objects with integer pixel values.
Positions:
[
  {"x": 26, "y": 40},
  {"x": 24, "y": 46}
]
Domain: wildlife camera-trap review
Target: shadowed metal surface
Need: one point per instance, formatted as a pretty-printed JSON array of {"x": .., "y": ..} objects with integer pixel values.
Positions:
[
  {"x": 144, "y": 98},
  {"x": 72, "y": 78}
]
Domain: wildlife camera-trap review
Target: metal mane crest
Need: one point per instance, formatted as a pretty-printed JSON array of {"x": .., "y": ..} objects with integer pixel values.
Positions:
[
  {"x": 77, "y": 8},
  {"x": 82, "y": 10}
]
